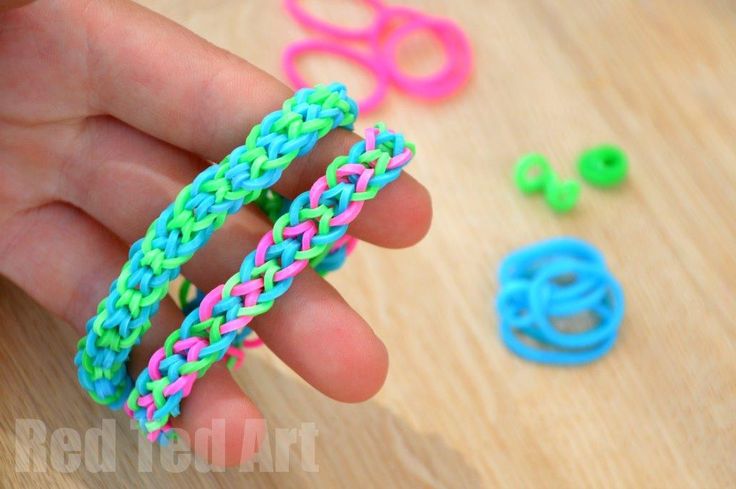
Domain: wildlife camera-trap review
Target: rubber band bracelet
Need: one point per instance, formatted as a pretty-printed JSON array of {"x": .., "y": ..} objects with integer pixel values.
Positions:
[
  {"x": 273, "y": 205},
  {"x": 315, "y": 221},
  {"x": 187, "y": 224}
]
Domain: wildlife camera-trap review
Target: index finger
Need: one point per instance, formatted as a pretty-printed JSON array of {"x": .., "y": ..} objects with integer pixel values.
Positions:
[{"x": 174, "y": 85}]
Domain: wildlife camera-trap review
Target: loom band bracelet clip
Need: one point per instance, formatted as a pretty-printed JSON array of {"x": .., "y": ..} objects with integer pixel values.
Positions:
[
  {"x": 370, "y": 63},
  {"x": 316, "y": 24},
  {"x": 562, "y": 195},
  {"x": 603, "y": 166},
  {"x": 103, "y": 382},
  {"x": 525, "y": 262},
  {"x": 448, "y": 79},
  {"x": 547, "y": 356},
  {"x": 532, "y": 172},
  {"x": 607, "y": 327}
]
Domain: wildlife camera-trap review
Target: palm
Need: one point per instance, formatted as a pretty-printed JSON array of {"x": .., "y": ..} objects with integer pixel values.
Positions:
[
  {"x": 42, "y": 102},
  {"x": 106, "y": 111}
]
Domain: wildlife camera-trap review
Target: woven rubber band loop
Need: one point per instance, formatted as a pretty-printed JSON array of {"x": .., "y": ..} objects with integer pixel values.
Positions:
[
  {"x": 188, "y": 223},
  {"x": 316, "y": 219}
]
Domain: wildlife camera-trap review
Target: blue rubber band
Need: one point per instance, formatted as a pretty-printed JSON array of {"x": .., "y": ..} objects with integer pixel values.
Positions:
[{"x": 558, "y": 278}]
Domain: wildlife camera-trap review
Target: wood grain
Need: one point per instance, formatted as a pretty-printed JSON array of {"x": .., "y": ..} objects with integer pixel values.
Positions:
[{"x": 656, "y": 77}]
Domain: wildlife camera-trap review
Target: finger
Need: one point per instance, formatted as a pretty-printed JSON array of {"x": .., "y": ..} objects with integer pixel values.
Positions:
[
  {"x": 218, "y": 406},
  {"x": 132, "y": 183},
  {"x": 66, "y": 261},
  {"x": 170, "y": 83},
  {"x": 62, "y": 258},
  {"x": 316, "y": 333},
  {"x": 8, "y": 4}
]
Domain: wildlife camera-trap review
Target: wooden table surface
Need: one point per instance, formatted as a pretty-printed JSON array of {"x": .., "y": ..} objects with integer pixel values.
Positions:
[{"x": 458, "y": 410}]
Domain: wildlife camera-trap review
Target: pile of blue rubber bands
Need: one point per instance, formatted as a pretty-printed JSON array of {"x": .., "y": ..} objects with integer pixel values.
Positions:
[{"x": 552, "y": 284}]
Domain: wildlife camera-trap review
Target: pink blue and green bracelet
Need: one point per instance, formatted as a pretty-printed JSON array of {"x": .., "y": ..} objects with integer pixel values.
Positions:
[
  {"x": 316, "y": 220},
  {"x": 187, "y": 224}
]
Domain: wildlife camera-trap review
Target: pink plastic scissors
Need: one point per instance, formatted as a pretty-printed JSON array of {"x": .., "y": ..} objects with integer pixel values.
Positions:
[{"x": 383, "y": 40}]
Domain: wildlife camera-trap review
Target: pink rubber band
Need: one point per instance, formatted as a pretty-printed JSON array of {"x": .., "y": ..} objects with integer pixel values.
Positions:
[
  {"x": 311, "y": 22},
  {"x": 254, "y": 343},
  {"x": 246, "y": 288},
  {"x": 290, "y": 271},
  {"x": 209, "y": 301},
  {"x": 384, "y": 41},
  {"x": 450, "y": 77},
  {"x": 378, "y": 70}
]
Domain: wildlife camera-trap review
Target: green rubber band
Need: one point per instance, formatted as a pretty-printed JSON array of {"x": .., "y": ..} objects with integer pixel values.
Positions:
[
  {"x": 532, "y": 173},
  {"x": 562, "y": 195},
  {"x": 604, "y": 166},
  {"x": 184, "y": 292}
]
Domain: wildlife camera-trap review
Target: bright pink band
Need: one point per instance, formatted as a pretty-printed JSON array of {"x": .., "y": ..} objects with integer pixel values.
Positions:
[
  {"x": 384, "y": 40},
  {"x": 300, "y": 48},
  {"x": 311, "y": 22},
  {"x": 458, "y": 54}
]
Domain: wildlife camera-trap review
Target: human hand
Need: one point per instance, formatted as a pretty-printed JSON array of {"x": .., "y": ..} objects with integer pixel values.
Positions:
[{"x": 106, "y": 111}]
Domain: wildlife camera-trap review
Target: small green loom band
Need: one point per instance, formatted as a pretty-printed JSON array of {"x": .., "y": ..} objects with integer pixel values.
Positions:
[
  {"x": 604, "y": 166},
  {"x": 532, "y": 172},
  {"x": 562, "y": 195}
]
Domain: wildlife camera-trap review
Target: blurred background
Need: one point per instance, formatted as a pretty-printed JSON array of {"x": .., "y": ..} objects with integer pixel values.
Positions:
[{"x": 458, "y": 410}]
